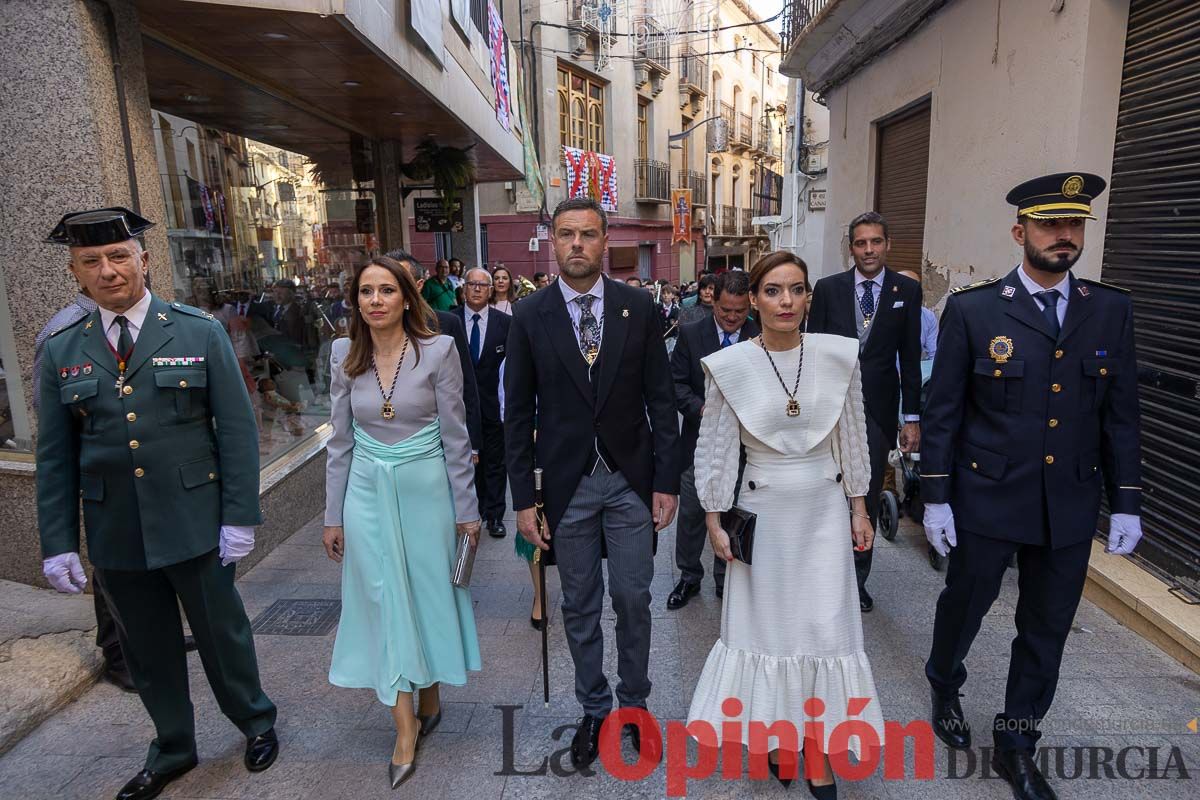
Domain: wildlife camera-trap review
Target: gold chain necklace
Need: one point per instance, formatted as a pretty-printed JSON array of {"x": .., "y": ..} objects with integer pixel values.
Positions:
[
  {"x": 388, "y": 411},
  {"x": 793, "y": 406}
]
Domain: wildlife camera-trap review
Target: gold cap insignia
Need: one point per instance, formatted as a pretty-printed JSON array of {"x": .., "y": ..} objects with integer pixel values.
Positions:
[
  {"x": 1001, "y": 349},
  {"x": 1072, "y": 186}
]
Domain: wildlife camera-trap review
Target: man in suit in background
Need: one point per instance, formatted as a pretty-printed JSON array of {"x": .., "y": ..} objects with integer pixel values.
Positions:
[
  {"x": 487, "y": 335},
  {"x": 450, "y": 325},
  {"x": 1032, "y": 416},
  {"x": 587, "y": 357},
  {"x": 882, "y": 309},
  {"x": 729, "y": 325}
]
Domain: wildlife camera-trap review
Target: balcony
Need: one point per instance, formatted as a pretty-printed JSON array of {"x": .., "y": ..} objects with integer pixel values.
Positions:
[
  {"x": 797, "y": 17},
  {"x": 690, "y": 179},
  {"x": 652, "y": 181},
  {"x": 746, "y": 226},
  {"x": 767, "y": 139},
  {"x": 693, "y": 71},
  {"x": 727, "y": 220},
  {"x": 651, "y": 47},
  {"x": 744, "y": 135}
]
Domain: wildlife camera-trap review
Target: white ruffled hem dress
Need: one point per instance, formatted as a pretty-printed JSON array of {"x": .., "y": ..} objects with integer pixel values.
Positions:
[{"x": 791, "y": 629}]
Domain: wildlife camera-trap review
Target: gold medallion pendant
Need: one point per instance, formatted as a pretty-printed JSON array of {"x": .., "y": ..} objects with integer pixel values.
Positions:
[
  {"x": 387, "y": 412},
  {"x": 793, "y": 408}
]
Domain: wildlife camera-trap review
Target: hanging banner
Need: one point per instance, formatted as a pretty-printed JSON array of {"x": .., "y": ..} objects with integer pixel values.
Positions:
[
  {"x": 499, "y": 64},
  {"x": 681, "y": 216},
  {"x": 591, "y": 175}
]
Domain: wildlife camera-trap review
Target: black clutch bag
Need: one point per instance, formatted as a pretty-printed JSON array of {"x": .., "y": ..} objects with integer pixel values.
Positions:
[{"x": 738, "y": 523}]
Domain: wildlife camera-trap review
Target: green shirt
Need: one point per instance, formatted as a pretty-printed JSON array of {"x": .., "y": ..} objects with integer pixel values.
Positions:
[{"x": 440, "y": 296}]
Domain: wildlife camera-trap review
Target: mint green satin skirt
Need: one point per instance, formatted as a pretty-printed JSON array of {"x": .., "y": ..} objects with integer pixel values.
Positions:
[{"x": 404, "y": 625}]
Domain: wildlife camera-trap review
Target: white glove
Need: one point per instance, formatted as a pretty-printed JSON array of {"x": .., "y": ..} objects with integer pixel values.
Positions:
[
  {"x": 65, "y": 573},
  {"x": 236, "y": 543},
  {"x": 939, "y": 528},
  {"x": 1124, "y": 532}
]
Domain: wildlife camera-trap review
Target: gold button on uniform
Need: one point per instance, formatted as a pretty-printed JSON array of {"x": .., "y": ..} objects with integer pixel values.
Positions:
[
  {"x": 974, "y": 465},
  {"x": 75, "y": 398},
  {"x": 1103, "y": 371},
  {"x": 183, "y": 384},
  {"x": 127, "y": 389},
  {"x": 997, "y": 373},
  {"x": 132, "y": 417},
  {"x": 1056, "y": 388},
  {"x": 1049, "y": 459},
  {"x": 139, "y": 472},
  {"x": 212, "y": 476},
  {"x": 134, "y": 444},
  {"x": 1053, "y": 423},
  {"x": 1058, "y": 353}
]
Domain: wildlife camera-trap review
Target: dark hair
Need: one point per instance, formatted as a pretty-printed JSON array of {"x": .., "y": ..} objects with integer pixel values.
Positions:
[
  {"x": 419, "y": 272},
  {"x": 539, "y": 275},
  {"x": 772, "y": 260},
  {"x": 735, "y": 282},
  {"x": 633, "y": 278},
  {"x": 710, "y": 281},
  {"x": 580, "y": 204},
  {"x": 512, "y": 284},
  {"x": 284, "y": 283},
  {"x": 869, "y": 218},
  {"x": 415, "y": 322}
]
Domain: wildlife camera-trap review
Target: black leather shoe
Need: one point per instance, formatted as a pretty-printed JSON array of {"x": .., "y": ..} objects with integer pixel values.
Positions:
[
  {"x": 720, "y": 591},
  {"x": 948, "y": 721},
  {"x": 826, "y": 792},
  {"x": 261, "y": 751},
  {"x": 1020, "y": 770},
  {"x": 120, "y": 677},
  {"x": 586, "y": 743},
  {"x": 635, "y": 738},
  {"x": 865, "y": 601},
  {"x": 147, "y": 784},
  {"x": 496, "y": 529},
  {"x": 679, "y": 596}
]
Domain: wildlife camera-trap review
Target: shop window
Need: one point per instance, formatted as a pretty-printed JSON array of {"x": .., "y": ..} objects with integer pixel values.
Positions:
[{"x": 266, "y": 239}]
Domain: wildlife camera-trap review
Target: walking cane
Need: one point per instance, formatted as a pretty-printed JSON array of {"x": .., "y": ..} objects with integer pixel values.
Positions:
[{"x": 537, "y": 559}]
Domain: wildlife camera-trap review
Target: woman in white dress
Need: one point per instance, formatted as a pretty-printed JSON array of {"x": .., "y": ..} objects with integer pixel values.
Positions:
[{"x": 791, "y": 628}]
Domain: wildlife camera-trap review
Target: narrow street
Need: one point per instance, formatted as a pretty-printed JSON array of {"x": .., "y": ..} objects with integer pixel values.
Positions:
[{"x": 1117, "y": 692}]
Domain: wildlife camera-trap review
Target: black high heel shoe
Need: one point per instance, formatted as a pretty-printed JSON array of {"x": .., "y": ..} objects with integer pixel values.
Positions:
[
  {"x": 771, "y": 765},
  {"x": 822, "y": 792}
]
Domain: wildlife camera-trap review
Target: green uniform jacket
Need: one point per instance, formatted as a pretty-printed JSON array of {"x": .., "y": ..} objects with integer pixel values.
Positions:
[{"x": 160, "y": 465}]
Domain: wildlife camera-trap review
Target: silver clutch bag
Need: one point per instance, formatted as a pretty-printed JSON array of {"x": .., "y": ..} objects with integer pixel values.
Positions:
[{"x": 464, "y": 562}]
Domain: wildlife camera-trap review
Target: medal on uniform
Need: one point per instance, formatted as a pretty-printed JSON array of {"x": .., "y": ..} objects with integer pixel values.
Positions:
[
  {"x": 63, "y": 373},
  {"x": 87, "y": 368},
  {"x": 1001, "y": 349},
  {"x": 75, "y": 371}
]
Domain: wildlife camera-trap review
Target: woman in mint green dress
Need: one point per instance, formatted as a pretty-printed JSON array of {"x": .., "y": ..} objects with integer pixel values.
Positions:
[{"x": 399, "y": 486}]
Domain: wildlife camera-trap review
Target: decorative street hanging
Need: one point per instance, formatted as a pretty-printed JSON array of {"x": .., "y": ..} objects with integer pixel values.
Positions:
[
  {"x": 681, "y": 216},
  {"x": 591, "y": 175}
]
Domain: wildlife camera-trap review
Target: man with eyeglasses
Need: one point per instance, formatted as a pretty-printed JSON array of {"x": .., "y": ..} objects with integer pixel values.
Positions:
[{"x": 487, "y": 332}]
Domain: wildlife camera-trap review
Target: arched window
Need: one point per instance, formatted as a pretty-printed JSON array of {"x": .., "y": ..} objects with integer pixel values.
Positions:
[
  {"x": 737, "y": 100},
  {"x": 580, "y": 111},
  {"x": 578, "y": 124},
  {"x": 715, "y": 97},
  {"x": 564, "y": 119}
]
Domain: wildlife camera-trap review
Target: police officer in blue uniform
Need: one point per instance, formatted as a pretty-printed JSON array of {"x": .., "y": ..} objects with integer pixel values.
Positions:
[
  {"x": 144, "y": 417},
  {"x": 1032, "y": 413}
]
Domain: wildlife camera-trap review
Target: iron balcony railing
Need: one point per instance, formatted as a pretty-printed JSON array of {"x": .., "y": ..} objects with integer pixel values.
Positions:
[
  {"x": 728, "y": 117},
  {"x": 693, "y": 70},
  {"x": 768, "y": 141},
  {"x": 745, "y": 130},
  {"x": 797, "y": 16},
  {"x": 651, "y": 43},
  {"x": 727, "y": 224},
  {"x": 652, "y": 181},
  {"x": 747, "y": 227},
  {"x": 690, "y": 179}
]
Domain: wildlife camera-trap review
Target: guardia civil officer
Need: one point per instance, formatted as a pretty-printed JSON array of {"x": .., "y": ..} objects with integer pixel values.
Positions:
[
  {"x": 1032, "y": 412},
  {"x": 144, "y": 415}
]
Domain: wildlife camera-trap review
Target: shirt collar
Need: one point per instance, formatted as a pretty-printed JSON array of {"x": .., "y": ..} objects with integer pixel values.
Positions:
[
  {"x": 1063, "y": 287},
  {"x": 135, "y": 314},
  {"x": 468, "y": 313},
  {"x": 733, "y": 334},
  {"x": 569, "y": 294},
  {"x": 859, "y": 278}
]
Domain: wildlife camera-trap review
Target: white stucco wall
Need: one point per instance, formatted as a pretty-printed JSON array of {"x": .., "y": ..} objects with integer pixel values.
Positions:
[{"x": 1048, "y": 104}]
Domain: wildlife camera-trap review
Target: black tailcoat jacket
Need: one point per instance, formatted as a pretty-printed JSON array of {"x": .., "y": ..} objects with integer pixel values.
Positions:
[
  {"x": 1022, "y": 429},
  {"x": 631, "y": 407},
  {"x": 895, "y": 332}
]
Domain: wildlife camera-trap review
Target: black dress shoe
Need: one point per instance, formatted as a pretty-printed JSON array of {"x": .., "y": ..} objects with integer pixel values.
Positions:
[
  {"x": 120, "y": 677},
  {"x": 538, "y": 624},
  {"x": 586, "y": 743},
  {"x": 679, "y": 596},
  {"x": 261, "y": 751},
  {"x": 496, "y": 529},
  {"x": 148, "y": 784},
  {"x": 635, "y": 738},
  {"x": 1020, "y": 770},
  {"x": 865, "y": 602},
  {"x": 826, "y": 792},
  {"x": 948, "y": 721},
  {"x": 720, "y": 591}
]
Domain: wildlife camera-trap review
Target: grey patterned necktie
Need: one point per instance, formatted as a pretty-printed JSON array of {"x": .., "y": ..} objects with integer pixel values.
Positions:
[{"x": 589, "y": 329}]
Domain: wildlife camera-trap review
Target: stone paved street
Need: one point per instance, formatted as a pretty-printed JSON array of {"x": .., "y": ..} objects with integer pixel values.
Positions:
[{"x": 1116, "y": 692}]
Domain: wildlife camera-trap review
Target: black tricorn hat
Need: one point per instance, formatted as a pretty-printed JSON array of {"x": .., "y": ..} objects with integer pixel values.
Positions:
[
  {"x": 98, "y": 227},
  {"x": 1063, "y": 195}
]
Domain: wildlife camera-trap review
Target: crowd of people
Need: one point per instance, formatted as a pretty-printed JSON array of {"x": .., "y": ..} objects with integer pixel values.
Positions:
[{"x": 760, "y": 407}]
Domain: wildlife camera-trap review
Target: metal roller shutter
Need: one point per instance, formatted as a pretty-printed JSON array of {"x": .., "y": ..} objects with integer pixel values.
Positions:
[
  {"x": 1152, "y": 247},
  {"x": 902, "y": 177}
]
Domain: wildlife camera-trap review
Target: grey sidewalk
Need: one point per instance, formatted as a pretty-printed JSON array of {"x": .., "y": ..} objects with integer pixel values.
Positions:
[{"x": 1116, "y": 692}]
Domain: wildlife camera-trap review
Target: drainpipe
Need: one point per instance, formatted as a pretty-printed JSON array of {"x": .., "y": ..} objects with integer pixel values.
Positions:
[{"x": 122, "y": 109}]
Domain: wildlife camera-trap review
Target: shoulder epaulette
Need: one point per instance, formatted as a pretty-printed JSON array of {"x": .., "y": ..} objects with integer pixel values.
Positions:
[
  {"x": 976, "y": 285},
  {"x": 195, "y": 312},
  {"x": 1103, "y": 285},
  {"x": 69, "y": 325}
]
